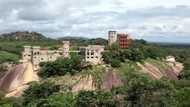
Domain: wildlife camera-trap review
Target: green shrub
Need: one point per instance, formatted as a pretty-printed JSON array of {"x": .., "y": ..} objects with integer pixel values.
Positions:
[
  {"x": 61, "y": 67},
  {"x": 38, "y": 91}
]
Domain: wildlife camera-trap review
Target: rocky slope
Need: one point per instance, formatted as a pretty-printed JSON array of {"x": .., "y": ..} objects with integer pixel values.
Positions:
[
  {"x": 16, "y": 80},
  {"x": 157, "y": 70}
]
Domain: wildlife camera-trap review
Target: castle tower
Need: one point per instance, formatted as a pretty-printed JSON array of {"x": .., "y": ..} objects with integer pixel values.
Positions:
[
  {"x": 66, "y": 48},
  {"x": 27, "y": 54},
  {"x": 36, "y": 57},
  {"x": 112, "y": 37}
]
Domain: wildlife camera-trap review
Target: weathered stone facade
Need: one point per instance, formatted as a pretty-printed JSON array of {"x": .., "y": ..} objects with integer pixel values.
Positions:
[
  {"x": 92, "y": 53},
  {"x": 36, "y": 54},
  {"x": 112, "y": 37}
]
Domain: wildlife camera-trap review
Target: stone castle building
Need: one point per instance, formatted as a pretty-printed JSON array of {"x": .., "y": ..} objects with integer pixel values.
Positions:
[
  {"x": 92, "y": 54},
  {"x": 36, "y": 54},
  {"x": 112, "y": 37}
]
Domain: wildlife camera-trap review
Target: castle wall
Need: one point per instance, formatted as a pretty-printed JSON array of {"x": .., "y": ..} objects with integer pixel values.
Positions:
[{"x": 36, "y": 54}]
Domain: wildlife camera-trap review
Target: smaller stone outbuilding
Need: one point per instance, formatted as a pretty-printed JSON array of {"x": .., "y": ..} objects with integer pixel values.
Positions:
[{"x": 92, "y": 54}]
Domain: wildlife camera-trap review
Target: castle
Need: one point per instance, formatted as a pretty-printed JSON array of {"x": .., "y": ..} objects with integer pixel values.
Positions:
[
  {"x": 90, "y": 53},
  {"x": 36, "y": 54}
]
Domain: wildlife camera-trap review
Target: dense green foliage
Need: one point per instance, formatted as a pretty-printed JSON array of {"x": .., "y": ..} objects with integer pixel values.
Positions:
[
  {"x": 141, "y": 91},
  {"x": 58, "y": 100},
  {"x": 137, "y": 52},
  {"x": 61, "y": 67},
  {"x": 95, "y": 99},
  {"x": 8, "y": 57},
  {"x": 38, "y": 91}
]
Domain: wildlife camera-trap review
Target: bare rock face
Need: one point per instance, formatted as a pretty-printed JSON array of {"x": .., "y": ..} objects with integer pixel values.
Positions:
[
  {"x": 151, "y": 70},
  {"x": 172, "y": 71},
  {"x": 9, "y": 81},
  {"x": 111, "y": 79},
  {"x": 86, "y": 83},
  {"x": 15, "y": 80}
]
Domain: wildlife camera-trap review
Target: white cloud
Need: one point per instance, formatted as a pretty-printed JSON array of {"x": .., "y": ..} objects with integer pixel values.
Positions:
[{"x": 93, "y": 18}]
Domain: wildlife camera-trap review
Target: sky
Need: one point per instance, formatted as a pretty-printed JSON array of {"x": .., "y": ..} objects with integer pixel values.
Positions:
[{"x": 152, "y": 20}]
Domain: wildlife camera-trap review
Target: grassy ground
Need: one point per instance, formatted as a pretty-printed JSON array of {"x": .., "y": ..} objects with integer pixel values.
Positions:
[
  {"x": 17, "y": 46},
  {"x": 8, "y": 57}
]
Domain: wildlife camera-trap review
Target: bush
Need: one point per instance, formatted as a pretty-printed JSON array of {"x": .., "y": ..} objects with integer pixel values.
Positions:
[
  {"x": 115, "y": 63},
  {"x": 57, "y": 100},
  {"x": 8, "y": 57},
  {"x": 61, "y": 67},
  {"x": 95, "y": 99},
  {"x": 38, "y": 91}
]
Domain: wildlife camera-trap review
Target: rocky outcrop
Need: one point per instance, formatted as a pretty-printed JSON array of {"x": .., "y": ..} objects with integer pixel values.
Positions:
[
  {"x": 85, "y": 83},
  {"x": 16, "y": 80},
  {"x": 172, "y": 70},
  {"x": 111, "y": 80}
]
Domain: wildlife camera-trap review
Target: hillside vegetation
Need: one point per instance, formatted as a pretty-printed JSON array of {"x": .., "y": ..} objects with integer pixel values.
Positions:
[
  {"x": 23, "y": 36},
  {"x": 8, "y": 57},
  {"x": 125, "y": 80}
]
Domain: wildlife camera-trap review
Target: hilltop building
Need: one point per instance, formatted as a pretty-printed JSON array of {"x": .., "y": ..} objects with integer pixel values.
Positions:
[
  {"x": 92, "y": 54},
  {"x": 36, "y": 54},
  {"x": 112, "y": 37},
  {"x": 123, "y": 39}
]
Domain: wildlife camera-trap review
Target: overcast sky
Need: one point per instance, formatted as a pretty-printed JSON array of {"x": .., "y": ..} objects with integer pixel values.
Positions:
[{"x": 153, "y": 20}]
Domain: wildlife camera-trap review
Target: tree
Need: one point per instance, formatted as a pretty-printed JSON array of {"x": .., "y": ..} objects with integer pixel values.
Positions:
[
  {"x": 112, "y": 58},
  {"x": 115, "y": 63},
  {"x": 136, "y": 55},
  {"x": 57, "y": 100},
  {"x": 141, "y": 91},
  {"x": 183, "y": 97},
  {"x": 10, "y": 102},
  {"x": 95, "y": 99},
  {"x": 38, "y": 91},
  {"x": 61, "y": 67}
]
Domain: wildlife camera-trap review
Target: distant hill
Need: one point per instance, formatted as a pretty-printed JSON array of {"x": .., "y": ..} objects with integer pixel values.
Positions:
[
  {"x": 84, "y": 41},
  {"x": 31, "y": 36}
]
